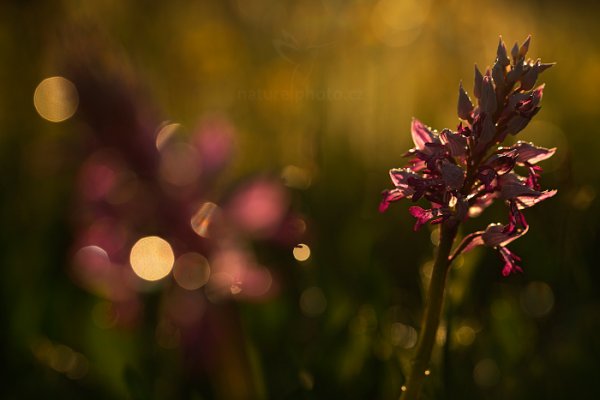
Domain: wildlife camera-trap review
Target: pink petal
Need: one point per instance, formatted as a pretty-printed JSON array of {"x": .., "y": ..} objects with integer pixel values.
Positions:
[
  {"x": 422, "y": 216},
  {"x": 400, "y": 177},
  {"x": 465, "y": 107},
  {"x": 528, "y": 152},
  {"x": 511, "y": 186},
  {"x": 421, "y": 134},
  {"x": 390, "y": 196},
  {"x": 526, "y": 201},
  {"x": 456, "y": 142},
  {"x": 497, "y": 235}
]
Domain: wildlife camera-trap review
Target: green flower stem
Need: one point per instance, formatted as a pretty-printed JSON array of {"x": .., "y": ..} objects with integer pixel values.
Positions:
[{"x": 431, "y": 316}]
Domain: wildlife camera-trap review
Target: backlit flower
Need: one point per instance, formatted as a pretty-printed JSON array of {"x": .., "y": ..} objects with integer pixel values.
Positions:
[{"x": 460, "y": 173}]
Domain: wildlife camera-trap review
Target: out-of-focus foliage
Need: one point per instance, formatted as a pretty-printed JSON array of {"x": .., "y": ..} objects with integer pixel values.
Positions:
[{"x": 290, "y": 113}]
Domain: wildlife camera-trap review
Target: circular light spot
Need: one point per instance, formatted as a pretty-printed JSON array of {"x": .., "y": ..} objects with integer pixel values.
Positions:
[
  {"x": 486, "y": 373},
  {"x": 301, "y": 252},
  {"x": 151, "y": 258},
  {"x": 191, "y": 271},
  {"x": 55, "y": 99},
  {"x": 165, "y": 133},
  {"x": 399, "y": 23},
  {"x": 257, "y": 281},
  {"x": 201, "y": 221},
  {"x": 79, "y": 368},
  {"x": 465, "y": 335},
  {"x": 403, "y": 335},
  {"x": 313, "y": 301},
  {"x": 583, "y": 197},
  {"x": 537, "y": 299},
  {"x": 62, "y": 359},
  {"x": 427, "y": 372}
]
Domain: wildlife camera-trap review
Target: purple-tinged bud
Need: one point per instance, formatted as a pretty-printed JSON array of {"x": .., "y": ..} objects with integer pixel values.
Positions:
[
  {"x": 524, "y": 47},
  {"x": 516, "y": 99},
  {"x": 478, "y": 83},
  {"x": 503, "y": 163},
  {"x": 514, "y": 52},
  {"x": 544, "y": 66},
  {"x": 465, "y": 107},
  {"x": 497, "y": 235},
  {"x": 488, "y": 102},
  {"x": 498, "y": 75},
  {"x": 452, "y": 175},
  {"x": 515, "y": 73},
  {"x": 455, "y": 142},
  {"x": 501, "y": 54},
  {"x": 488, "y": 131},
  {"x": 530, "y": 77},
  {"x": 516, "y": 124}
]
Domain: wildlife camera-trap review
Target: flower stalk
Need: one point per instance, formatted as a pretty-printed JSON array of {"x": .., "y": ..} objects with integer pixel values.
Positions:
[{"x": 432, "y": 313}]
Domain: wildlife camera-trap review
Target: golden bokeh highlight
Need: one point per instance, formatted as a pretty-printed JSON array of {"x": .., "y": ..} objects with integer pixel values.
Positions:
[
  {"x": 301, "y": 252},
  {"x": 202, "y": 220},
  {"x": 537, "y": 299},
  {"x": 402, "y": 335},
  {"x": 60, "y": 358},
  {"x": 398, "y": 23},
  {"x": 465, "y": 335},
  {"x": 151, "y": 258},
  {"x": 56, "y": 99},
  {"x": 191, "y": 271},
  {"x": 165, "y": 133}
]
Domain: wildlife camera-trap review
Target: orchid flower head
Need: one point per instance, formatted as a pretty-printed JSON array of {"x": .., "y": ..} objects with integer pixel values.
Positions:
[{"x": 463, "y": 171}]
